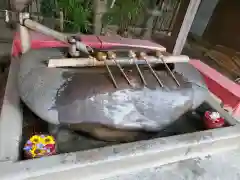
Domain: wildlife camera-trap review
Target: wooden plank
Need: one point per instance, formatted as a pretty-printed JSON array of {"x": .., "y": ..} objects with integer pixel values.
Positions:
[
  {"x": 186, "y": 25},
  {"x": 224, "y": 61}
]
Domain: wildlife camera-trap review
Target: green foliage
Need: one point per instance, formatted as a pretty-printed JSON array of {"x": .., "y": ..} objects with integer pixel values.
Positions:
[
  {"x": 124, "y": 12},
  {"x": 48, "y": 8},
  {"x": 77, "y": 13}
]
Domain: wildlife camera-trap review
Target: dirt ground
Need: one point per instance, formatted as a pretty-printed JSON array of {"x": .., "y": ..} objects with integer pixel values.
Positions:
[{"x": 197, "y": 54}]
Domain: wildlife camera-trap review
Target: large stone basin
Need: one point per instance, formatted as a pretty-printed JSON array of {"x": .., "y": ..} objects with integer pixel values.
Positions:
[
  {"x": 73, "y": 97},
  {"x": 97, "y": 163}
]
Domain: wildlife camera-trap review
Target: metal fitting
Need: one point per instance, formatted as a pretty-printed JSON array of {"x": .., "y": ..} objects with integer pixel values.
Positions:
[{"x": 22, "y": 17}]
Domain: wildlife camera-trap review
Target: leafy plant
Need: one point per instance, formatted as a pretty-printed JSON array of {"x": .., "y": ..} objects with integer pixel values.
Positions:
[
  {"x": 48, "y": 8},
  {"x": 77, "y": 13},
  {"x": 124, "y": 13}
]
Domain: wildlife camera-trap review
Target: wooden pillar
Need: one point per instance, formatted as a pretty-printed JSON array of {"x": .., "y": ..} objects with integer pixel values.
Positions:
[
  {"x": 24, "y": 33},
  {"x": 19, "y": 5},
  {"x": 186, "y": 25},
  {"x": 150, "y": 22},
  {"x": 100, "y": 7}
]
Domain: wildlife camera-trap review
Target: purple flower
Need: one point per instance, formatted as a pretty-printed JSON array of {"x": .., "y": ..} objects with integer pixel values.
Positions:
[{"x": 27, "y": 148}]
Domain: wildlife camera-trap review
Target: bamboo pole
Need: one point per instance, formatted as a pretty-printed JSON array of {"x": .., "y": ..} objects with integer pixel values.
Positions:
[
  {"x": 91, "y": 62},
  {"x": 24, "y": 33}
]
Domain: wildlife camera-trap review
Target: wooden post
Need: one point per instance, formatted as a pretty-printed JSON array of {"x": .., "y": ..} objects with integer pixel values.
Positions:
[
  {"x": 149, "y": 27},
  {"x": 186, "y": 25},
  {"x": 61, "y": 22},
  {"x": 150, "y": 15},
  {"x": 100, "y": 7},
  {"x": 19, "y": 5}
]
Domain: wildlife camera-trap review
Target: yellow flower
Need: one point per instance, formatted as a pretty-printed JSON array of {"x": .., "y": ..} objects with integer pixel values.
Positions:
[
  {"x": 37, "y": 152},
  {"x": 35, "y": 139},
  {"x": 32, "y": 151},
  {"x": 48, "y": 140},
  {"x": 41, "y": 152}
]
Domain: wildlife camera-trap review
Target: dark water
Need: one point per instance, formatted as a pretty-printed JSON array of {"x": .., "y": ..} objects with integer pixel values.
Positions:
[{"x": 188, "y": 123}]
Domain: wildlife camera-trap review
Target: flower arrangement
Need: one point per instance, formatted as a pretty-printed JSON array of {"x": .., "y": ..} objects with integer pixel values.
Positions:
[{"x": 39, "y": 146}]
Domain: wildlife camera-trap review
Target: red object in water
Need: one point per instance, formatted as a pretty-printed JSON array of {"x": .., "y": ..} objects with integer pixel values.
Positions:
[{"x": 212, "y": 123}]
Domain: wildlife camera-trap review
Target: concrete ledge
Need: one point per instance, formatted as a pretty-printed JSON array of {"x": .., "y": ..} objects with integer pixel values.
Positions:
[
  {"x": 11, "y": 117},
  {"x": 111, "y": 161}
]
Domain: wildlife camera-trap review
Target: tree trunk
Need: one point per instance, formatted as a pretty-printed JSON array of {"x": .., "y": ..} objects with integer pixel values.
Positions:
[
  {"x": 100, "y": 7},
  {"x": 19, "y": 5},
  {"x": 149, "y": 18}
]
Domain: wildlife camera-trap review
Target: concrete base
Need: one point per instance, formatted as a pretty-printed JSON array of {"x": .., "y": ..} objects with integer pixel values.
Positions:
[
  {"x": 11, "y": 117},
  {"x": 104, "y": 162},
  {"x": 220, "y": 166}
]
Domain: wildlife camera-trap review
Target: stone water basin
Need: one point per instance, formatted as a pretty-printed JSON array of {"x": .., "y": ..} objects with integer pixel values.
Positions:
[{"x": 80, "y": 156}]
